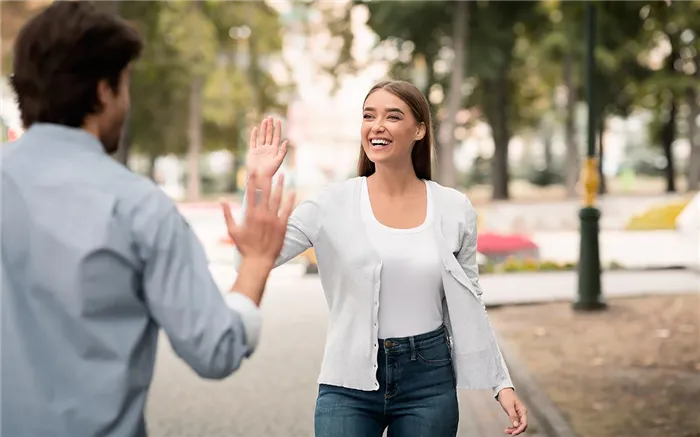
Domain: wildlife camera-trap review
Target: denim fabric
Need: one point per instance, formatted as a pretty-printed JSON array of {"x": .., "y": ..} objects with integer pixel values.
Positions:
[{"x": 417, "y": 394}]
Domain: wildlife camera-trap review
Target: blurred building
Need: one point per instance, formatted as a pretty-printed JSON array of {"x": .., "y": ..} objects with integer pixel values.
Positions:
[{"x": 323, "y": 126}]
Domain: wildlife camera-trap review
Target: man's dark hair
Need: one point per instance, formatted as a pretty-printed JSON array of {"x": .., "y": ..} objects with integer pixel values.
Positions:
[{"x": 60, "y": 56}]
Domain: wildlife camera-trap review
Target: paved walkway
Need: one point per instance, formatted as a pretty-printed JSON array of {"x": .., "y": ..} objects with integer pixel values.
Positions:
[
  {"x": 642, "y": 249},
  {"x": 514, "y": 288},
  {"x": 273, "y": 394},
  {"x": 519, "y": 288}
]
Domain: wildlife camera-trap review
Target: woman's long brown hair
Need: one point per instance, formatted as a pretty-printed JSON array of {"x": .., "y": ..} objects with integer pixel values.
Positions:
[{"x": 422, "y": 152}]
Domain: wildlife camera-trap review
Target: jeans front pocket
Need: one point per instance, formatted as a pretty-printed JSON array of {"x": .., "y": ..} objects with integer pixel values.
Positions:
[{"x": 435, "y": 355}]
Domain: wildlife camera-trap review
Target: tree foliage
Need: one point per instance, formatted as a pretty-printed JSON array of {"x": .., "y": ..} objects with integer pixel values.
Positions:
[{"x": 519, "y": 53}]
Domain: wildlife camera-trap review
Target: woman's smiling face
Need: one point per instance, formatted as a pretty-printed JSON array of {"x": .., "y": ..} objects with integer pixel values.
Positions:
[{"x": 389, "y": 128}]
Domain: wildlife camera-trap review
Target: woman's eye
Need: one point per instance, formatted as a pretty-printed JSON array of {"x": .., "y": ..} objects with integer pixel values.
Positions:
[
  {"x": 393, "y": 117},
  {"x": 366, "y": 116}
]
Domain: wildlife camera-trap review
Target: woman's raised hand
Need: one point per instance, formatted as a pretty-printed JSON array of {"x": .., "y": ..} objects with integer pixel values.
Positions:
[{"x": 265, "y": 153}]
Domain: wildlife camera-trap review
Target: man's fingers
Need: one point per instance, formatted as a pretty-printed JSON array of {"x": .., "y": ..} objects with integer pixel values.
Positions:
[
  {"x": 252, "y": 142},
  {"x": 269, "y": 131},
  {"x": 250, "y": 191},
  {"x": 277, "y": 133},
  {"x": 276, "y": 196},
  {"x": 228, "y": 217},
  {"x": 264, "y": 186},
  {"x": 287, "y": 208}
]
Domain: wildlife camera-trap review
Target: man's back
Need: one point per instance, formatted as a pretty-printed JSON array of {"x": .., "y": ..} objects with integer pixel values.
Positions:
[
  {"x": 95, "y": 260},
  {"x": 75, "y": 326}
]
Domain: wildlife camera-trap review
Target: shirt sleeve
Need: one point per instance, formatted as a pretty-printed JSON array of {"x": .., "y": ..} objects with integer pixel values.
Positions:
[
  {"x": 210, "y": 333},
  {"x": 467, "y": 259}
]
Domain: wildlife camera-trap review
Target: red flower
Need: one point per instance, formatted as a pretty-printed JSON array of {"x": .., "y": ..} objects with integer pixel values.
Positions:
[{"x": 489, "y": 243}]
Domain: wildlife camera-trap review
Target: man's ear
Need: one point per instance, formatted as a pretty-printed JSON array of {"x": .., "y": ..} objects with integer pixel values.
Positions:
[
  {"x": 420, "y": 133},
  {"x": 105, "y": 93}
]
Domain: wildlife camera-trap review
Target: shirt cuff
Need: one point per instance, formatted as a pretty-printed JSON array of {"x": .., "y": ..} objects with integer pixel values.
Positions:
[
  {"x": 250, "y": 315},
  {"x": 505, "y": 384}
]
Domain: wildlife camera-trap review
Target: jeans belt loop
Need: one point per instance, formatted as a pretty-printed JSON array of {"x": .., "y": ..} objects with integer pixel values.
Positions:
[{"x": 413, "y": 348}]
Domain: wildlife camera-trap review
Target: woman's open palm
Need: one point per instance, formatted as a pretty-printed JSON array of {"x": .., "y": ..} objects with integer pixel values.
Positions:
[{"x": 265, "y": 153}]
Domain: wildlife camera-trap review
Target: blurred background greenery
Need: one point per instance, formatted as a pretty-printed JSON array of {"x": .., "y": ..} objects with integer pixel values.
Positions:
[{"x": 505, "y": 81}]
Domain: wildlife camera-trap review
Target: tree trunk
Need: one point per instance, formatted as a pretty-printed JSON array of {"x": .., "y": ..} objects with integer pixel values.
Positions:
[
  {"x": 668, "y": 136},
  {"x": 446, "y": 174},
  {"x": 152, "y": 167},
  {"x": 496, "y": 112},
  {"x": 668, "y": 131},
  {"x": 603, "y": 186},
  {"x": 573, "y": 164},
  {"x": 194, "y": 132},
  {"x": 692, "y": 95},
  {"x": 548, "y": 158},
  {"x": 195, "y": 124}
]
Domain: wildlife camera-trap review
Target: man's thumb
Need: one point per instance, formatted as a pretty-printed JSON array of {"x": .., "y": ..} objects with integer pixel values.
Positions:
[{"x": 513, "y": 417}]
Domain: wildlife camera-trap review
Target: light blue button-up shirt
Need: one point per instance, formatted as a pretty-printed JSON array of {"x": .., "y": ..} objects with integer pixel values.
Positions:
[{"x": 95, "y": 259}]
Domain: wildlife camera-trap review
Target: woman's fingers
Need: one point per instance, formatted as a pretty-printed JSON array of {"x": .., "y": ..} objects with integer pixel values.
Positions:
[
  {"x": 277, "y": 133},
  {"x": 261, "y": 134},
  {"x": 269, "y": 131}
]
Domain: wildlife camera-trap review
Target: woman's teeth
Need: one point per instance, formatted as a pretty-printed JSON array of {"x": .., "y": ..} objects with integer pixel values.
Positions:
[{"x": 380, "y": 143}]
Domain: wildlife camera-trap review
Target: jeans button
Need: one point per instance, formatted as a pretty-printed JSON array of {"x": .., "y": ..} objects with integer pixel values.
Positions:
[{"x": 387, "y": 343}]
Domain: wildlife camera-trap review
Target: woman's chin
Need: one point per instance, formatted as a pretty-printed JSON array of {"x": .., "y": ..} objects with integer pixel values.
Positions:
[{"x": 378, "y": 156}]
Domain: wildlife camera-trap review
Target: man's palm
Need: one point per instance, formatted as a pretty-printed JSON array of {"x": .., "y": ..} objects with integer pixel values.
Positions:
[{"x": 265, "y": 153}]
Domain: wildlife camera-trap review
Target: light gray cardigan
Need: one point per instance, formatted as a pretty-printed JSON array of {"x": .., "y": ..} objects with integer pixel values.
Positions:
[{"x": 349, "y": 269}]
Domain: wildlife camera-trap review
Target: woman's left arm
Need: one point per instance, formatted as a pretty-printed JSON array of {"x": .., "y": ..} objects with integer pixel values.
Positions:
[{"x": 467, "y": 259}]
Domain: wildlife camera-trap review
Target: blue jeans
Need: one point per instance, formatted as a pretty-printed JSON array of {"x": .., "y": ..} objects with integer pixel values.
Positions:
[{"x": 417, "y": 394}]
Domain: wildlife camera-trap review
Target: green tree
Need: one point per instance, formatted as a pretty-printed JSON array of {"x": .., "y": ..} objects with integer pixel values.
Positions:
[
  {"x": 495, "y": 28},
  {"x": 428, "y": 27},
  {"x": 670, "y": 88},
  {"x": 240, "y": 88},
  {"x": 158, "y": 88}
]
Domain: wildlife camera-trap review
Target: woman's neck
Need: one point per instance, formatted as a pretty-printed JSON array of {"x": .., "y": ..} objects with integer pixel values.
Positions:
[{"x": 394, "y": 181}]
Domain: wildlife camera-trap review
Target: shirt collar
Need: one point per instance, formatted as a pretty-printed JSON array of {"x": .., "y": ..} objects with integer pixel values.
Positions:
[{"x": 63, "y": 134}]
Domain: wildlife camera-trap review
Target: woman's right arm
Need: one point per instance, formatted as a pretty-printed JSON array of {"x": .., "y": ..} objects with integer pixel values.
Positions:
[{"x": 265, "y": 155}]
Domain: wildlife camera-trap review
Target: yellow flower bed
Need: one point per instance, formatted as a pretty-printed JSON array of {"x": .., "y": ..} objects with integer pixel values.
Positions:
[
  {"x": 512, "y": 264},
  {"x": 657, "y": 218}
]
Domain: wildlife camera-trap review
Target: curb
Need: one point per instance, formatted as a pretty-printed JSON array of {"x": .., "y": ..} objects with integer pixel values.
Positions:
[{"x": 549, "y": 417}]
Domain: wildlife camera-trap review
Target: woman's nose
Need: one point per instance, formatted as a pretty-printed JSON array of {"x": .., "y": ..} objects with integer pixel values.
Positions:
[{"x": 378, "y": 126}]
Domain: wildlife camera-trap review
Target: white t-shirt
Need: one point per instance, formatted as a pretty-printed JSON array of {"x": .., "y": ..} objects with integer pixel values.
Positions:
[{"x": 410, "y": 298}]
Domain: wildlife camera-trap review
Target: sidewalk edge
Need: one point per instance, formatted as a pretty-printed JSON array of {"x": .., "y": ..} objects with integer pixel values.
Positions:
[{"x": 537, "y": 402}]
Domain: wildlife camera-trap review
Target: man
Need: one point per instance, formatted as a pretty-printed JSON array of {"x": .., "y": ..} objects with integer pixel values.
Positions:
[{"x": 96, "y": 259}]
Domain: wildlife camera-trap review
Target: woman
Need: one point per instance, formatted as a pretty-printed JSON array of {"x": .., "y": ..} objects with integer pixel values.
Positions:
[{"x": 397, "y": 260}]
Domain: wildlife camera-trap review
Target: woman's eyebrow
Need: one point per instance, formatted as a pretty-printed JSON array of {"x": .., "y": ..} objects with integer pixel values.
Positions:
[{"x": 371, "y": 109}]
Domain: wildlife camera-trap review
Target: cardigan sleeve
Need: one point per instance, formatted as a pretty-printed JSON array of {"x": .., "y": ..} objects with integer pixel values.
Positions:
[{"x": 467, "y": 260}]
